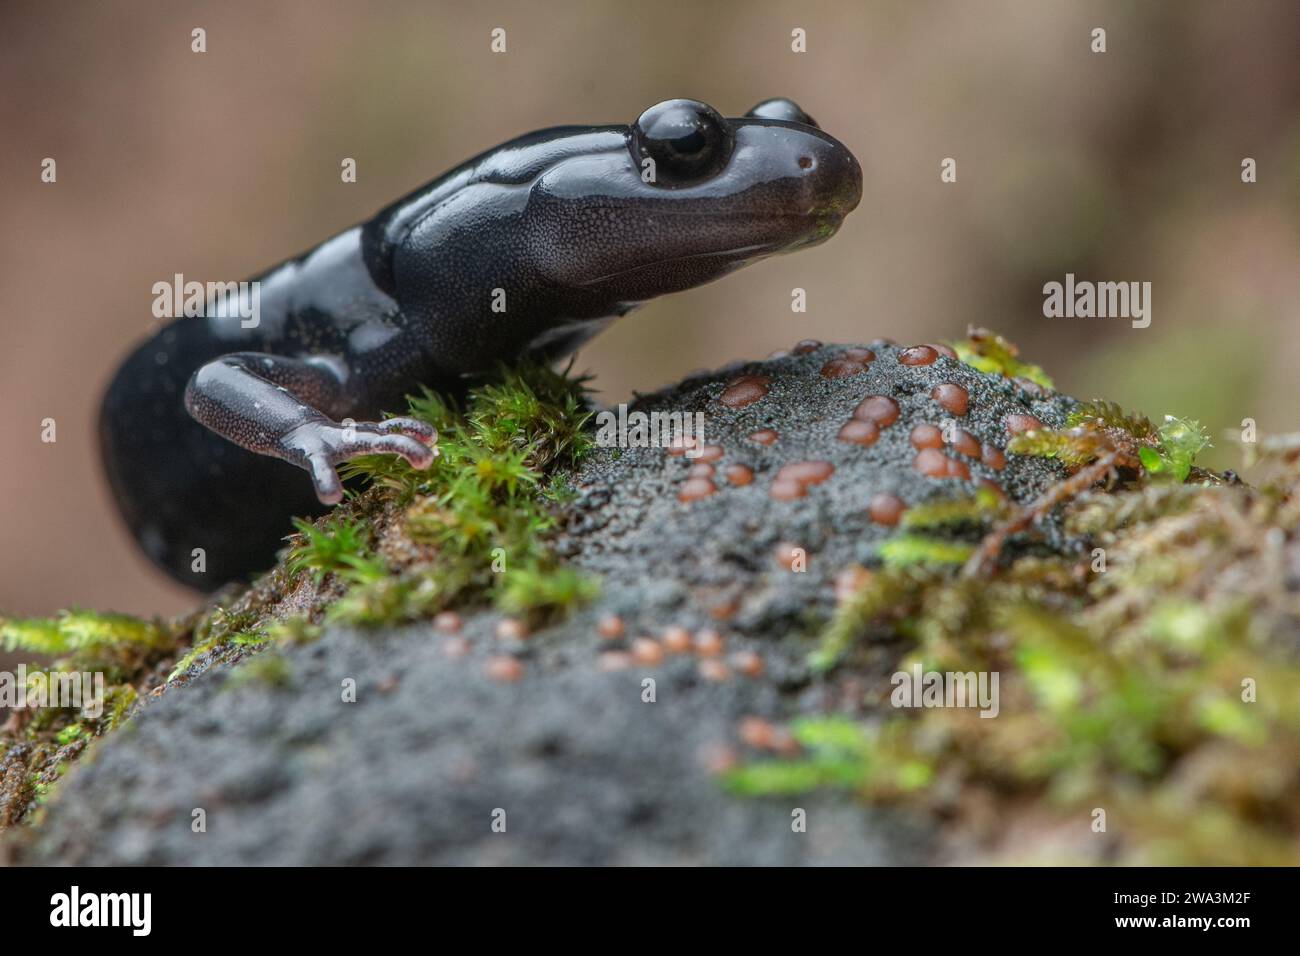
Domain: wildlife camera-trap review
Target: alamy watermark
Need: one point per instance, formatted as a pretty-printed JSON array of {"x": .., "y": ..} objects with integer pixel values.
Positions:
[
  {"x": 946, "y": 689},
  {"x": 1098, "y": 300},
  {"x": 215, "y": 300},
  {"x": 637, "y": 429},
  {"x": 41, "y": 689},
  {"x": 75, "y": 908}
]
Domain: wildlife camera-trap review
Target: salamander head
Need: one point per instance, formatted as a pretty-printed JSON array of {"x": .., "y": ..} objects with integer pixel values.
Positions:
[{"x": 684, "y": 196}]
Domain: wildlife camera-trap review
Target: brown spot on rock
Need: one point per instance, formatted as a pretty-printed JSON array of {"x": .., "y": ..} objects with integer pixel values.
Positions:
[
  {"x": 709, "y": 643},
  {"x": 849, "y": 581},
  {"x": 958, "y": 469},
  {"x": 610, "y": 626},
  {"x": 886, "y": 509},
  {"x": 748, "y": 663},
  {"x": 992, "y": 456},
  {"x": 740, "y": 475},
  {"x": 859, "y": 432},
  {"x": 694, "y": 489},
  {"x": 714, "y": 670},
  {"x": 677, "y": 640},
  {"x": 646, "y": 650},
  {"x": 842, "y": 367},
  {"x": 744, "y": 391},
  {"x": 757, "y": 732},
  {"x": 787, "y": 490},
  {"x": 764, "y": 436},
  {"x": 1030, "y": 387},
  {"x": 1021, "y": 423},
  {"x": 954, "y": 398},
  {"x": 926, "y": 436},
  {"x": 966, "y": 443},
  {"x": 449, "y": 622},
  {"x": 880, "y": 409},
  {"x": 918, "y": 355},
  {"x": 806, "y": 472},
  {"x": 931, "y": 462},
  {"x": 512, "y": 628},
  {"x": 804, "y": 346},
  {"x": 788, "y": 554},
  {"x": 504, "y": 668}
]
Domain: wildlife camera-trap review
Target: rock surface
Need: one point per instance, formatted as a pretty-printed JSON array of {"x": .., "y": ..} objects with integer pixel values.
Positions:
[{"x": 584, "y": 769}]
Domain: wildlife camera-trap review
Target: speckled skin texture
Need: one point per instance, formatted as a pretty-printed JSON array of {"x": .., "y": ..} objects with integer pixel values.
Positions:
[
  {"x": 557, "y": 226},
  {"x": 587, "y": 772}
]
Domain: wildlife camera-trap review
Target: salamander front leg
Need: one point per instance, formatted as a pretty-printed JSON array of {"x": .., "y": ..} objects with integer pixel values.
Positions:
[{"x": 282, "y": 407}]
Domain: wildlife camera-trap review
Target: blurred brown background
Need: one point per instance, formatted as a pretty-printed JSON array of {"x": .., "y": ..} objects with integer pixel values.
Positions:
[{"x": 1118, "y": 166}]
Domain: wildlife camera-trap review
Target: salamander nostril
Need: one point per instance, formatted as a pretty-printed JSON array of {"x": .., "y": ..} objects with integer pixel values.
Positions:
[{"x": 806, "y": 162}]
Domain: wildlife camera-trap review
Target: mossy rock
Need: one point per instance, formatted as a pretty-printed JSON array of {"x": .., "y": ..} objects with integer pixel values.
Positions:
[{"x": 1120, "y": 689}]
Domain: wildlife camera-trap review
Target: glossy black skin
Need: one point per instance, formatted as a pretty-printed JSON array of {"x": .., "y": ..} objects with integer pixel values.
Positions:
[{"x": 195, "y": 419}]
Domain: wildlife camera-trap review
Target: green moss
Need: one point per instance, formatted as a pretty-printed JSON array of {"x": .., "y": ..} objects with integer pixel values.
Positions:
[
  {"x": 481, "y": 513},
  {"x": 1109, "y": 415},
  {"x": 905, "y": 550},
  {"x": 1181, "y": 440},
  {"x": 1073, "y": 448},
  {"x": 989, "y": 352},
  {"x": 835, "y": 754},
  {"x": 963, "y": 511},
  {"x": 75, "y": 631},
  {"x": 1096, "y": 428},
  {"x": 336, "y": 544},
  {"x": 1124, "y": 688},
  {"x": 883, "y": 592},
  {"x": 69, "y": 734}
]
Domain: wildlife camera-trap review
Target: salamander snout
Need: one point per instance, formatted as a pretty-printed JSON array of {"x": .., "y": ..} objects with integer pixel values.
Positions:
[{"x": 834, "y": 177}]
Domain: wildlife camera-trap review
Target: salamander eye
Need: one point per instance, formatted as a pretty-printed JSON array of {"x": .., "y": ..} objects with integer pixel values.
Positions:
[{"x": 687, "y": 141}]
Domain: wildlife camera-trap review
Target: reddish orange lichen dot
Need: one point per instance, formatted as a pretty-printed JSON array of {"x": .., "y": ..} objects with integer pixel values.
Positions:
[
  {"x": 740, "y": 475},
  {"x": 677, "y": 640},
  {"x": 1021, "y": 423},
  {"x": 647, "y": 651},
  {"x": 504, "y": 668},
  {"x": 695, "y": 488},
  {"x": 880, "y": 409},
  {"x": 931, "y": 462},
  {"x": 859, "y": 432},
  {"x": 966, "y": 443},
  {"x": 886, "y": 509},
  {"x": 926, "y": 436},
  {"x": 918, "y": 355},
  {"x": 952, "y": 397},
  {"x": 744, "y": 391},
  {"x": 709, "y": 643},
  {"x": 806, "y": 472}
]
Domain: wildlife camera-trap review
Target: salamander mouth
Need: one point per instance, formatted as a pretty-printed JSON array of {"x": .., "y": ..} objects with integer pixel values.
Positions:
[
  {"x": 740, "y": 255},
  {"x": 815, "y": 227}
]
